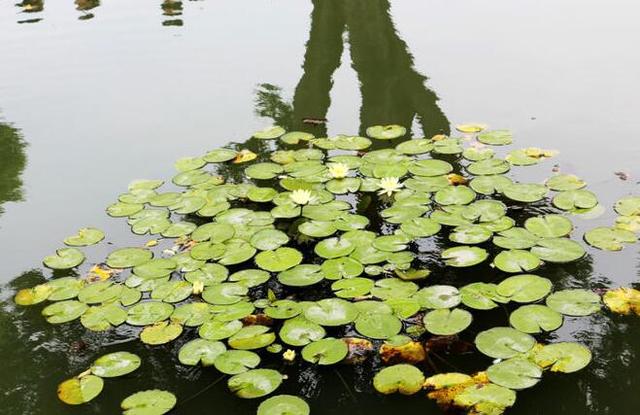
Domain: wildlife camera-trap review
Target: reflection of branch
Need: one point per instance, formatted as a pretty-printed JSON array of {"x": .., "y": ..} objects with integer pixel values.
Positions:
[{"x": 12, "y": 163}]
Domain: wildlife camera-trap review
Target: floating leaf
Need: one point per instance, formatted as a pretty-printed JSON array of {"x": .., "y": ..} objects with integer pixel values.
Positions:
[
  {"x": 503, "y": 342},
  {"x": 403, "y": 378},
  {"x": 574, "y": 302},
  {"x": 255, "y": 383},
  {"x": 76, "y": 391},
  {"x": 149, "y": 402},
  {"x": 445, "y": 322},
  {"x": 64, "y": 258}
]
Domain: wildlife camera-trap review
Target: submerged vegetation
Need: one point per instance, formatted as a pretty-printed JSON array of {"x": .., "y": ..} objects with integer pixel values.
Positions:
[{"x": 324, "y": 251}]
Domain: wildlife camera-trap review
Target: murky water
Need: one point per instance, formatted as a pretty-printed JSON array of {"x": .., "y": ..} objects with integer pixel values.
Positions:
[{"x": 94, "y": 94}]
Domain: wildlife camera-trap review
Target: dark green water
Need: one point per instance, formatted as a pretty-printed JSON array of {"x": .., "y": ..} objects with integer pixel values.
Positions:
[{"x": 94, "y": 95}]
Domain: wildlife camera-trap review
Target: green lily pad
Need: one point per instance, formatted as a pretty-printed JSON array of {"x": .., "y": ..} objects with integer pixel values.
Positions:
[
  {"x": 403, "y": 378},
  {"x": 565, "y": 357},
  {"x": 565, "y": 182},
  {"x": 516, "y": 373},
  {"x": 525, "y": 192},
  {"x": 85, "y": 237},
  {"x": 516, "y": 260},
  {"x": 278, "y": 260},
  {"x": 331, "y": 312},
  {"x": 573, "y": 200},
  {"x": 535, "y": 318},
  {"x": 609, "y": 239},
  {"x": 464, "y": 256},
  {"x": 325, "y": 352},
  {"x": 386, "y": 132},
  {"x": 115, "y": 364},
  {"x": 149, "y": 402},
  {"x": 503, "y": 342},
  {"x": 378, "y": 325},
  {"x": 524, "y": 288},
  {"x": 496, "y": 137},
  {"x": 255, "y": 383},
  {"x": 128, "y": 257},
  {"x": 64, "y": 311},
  {"x": 455, "y": 195},
  {"x": 438, "y": 296},
  {"x": 299, "y": 331},
  {"x": 549, "y": 226},
  {"x": 284, "y": 405},
  {"x": 574, "y": 302},
  {"x": 233, "y": 362},
  {"x": 558, "y": 250},
  {"x": 150, "y": 312},
  {"x": 76, "y": 391},
  {"x": 64, "y": 258},
  {"x": 445, "y": 322},
  {"x": 488, "y": 167},
  {"x": 269, "y": 133}
]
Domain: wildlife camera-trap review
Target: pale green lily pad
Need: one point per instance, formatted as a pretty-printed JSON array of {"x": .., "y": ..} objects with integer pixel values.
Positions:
[
  {"x": 574, "y": 302},
  {"x": 549, "y": 226},
  {"x": 503, "y": 342},
  {"x": 386, "y": 132},
  {"x": 535, "y": 318},
  {"x": 525, "y": 192},
  {"x": 255, "y": 383},
  {"x": 115, "y": 364},
  {"x": 609, "y": 239},
  {"x": 301, "y": 275},
  {"x": 325, "y": 352},
  {"x": 85, "y": 237},
  {"x": 464, "y": 256},
  {"x": 628, "y": 206},
  {"x": 252, "y": 337},
  {"x": 574, "y": 200},
  {"x": 403, "y": 378},
  {"x": 438, "y": 296},
  {"x": 516, "y": 260},
  {"x": 128, "y": 257},
  {"x": 76, "y": 391},
  {"x": 269, "y": 133},
  {"x": 496, "y": 137},
  {"x": 219, "y": 330},
  {"x": 149, "y": 312},
  {"x": 558, "y": 250},
  {"x": 299, "y": 331},
  {"x": 455, "y": 195},
  {"x": 149, "y": 402},
  {"x": 278, "y": 260},
  {"x": 64, "y": 311},
  {"x": 378, "y": 325},
  {"x": 565, "y": 357},
  {"x": 565, "y": 182},
  {"x": 445, "y": 322},
  {"x": 64, "y": 258},
  {"x": 525, "y": 288},
  {"x": 233, "y": 362},
  {"x": 284, "y": 405},
  {"x": 344, "y": 267},
  {"x": 516, "y": 373},
  {"x": 160, "y": 333},
  {"x": 488, "y": 167},
  {"x": 331, "y": 312},
  {"x": 103, "y": 317}
]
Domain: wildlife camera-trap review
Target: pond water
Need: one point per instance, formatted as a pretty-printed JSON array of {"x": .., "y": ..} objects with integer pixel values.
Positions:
[{"x": 94, "y": 94}]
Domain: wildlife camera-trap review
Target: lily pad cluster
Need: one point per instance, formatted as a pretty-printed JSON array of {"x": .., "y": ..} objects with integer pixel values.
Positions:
[{"x": 315, "y": 251}]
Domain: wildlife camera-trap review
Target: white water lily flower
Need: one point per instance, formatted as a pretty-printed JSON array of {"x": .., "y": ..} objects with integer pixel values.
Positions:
[
  {"x": 301, "y": 196},
  {"x": 338, "y": 170},
  {"x": 389, "y": 185}
]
